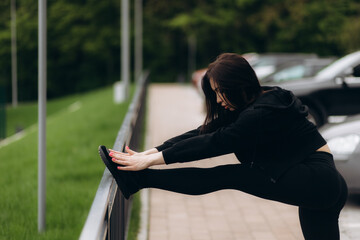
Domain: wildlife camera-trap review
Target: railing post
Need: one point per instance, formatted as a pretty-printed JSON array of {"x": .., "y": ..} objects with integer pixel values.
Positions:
[
  {"x": 42, "y": 118},
  {"x": 14, "y": 80},
  {"x": 138, "y": 18},
  {"x": 125, "y": 46}
]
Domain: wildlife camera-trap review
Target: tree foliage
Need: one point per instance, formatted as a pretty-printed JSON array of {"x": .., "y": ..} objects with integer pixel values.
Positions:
[
  {"x": 84, "y": 36},
  {"x": 83, "y": 40},
  {"x": 328, "y": 27}
]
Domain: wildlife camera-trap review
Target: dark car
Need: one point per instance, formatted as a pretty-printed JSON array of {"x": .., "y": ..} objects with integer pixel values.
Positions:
[
  {"x": 335, "y": 90},
  {"x": 344, "y": 142}
]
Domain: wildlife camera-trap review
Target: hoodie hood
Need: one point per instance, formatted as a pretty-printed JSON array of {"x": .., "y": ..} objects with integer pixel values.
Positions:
[{"x": 280, "y": 99}]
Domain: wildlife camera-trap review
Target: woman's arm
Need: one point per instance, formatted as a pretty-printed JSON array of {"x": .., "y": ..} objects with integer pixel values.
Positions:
[
  {"x": 238, "y": 136},
  {"x": 193, "y": 133},
  {"x": 129, "y": 151},
  {"x": 170, "y": 142},
  {"x": 151, "y": 151},
  {"x": 242, "y": 135}
]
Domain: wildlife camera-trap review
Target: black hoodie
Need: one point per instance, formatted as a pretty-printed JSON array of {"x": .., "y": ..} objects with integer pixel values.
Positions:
[{"x": 272, "y": 134}]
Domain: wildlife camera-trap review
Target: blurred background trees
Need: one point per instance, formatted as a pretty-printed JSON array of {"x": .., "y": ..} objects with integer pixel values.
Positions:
[
  {"x": 83, "y": 46},
  {"x": 84, "y": 37}
]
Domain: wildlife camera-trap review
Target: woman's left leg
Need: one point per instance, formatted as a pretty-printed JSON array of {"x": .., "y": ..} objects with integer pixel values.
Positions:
[
  {"x": 294, "y": 188},
  {"x": 323, "y": 223},
  {"x": 197, "y": 181},
  {"x": 300, "y": 186}
]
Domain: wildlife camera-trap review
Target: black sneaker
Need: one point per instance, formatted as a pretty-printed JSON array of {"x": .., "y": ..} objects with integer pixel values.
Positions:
[{"x": 121, "y": 177}]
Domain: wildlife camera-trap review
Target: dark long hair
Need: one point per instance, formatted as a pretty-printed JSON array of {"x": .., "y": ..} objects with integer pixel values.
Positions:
[{"x": 238, "y": 85}]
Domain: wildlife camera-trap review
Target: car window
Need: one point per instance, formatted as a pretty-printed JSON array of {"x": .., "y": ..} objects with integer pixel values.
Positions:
[
  {"x": 339, "y": 66},
  {"x": 290, "y": 73},
  {"x": 264, "y": 62},
  {"x": 356, "y": 71}
]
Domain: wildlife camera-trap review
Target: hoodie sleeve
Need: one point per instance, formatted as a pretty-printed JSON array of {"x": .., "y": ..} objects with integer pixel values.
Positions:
[
  {"x": 172, "y": 141},
  {"x": 238, "y": 136}
]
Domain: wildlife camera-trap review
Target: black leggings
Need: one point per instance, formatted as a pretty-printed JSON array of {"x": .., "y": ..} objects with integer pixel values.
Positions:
[{"x": 314, "y": 185}]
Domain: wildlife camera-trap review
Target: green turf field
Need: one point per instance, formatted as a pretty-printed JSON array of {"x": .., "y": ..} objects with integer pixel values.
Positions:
[{"x": 76, "y": 125}]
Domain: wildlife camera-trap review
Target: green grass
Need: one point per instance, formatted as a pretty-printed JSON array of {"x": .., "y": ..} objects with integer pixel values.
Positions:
[
  {"x": 73, "y": 168},
  {"x": 26, "y": 114}
]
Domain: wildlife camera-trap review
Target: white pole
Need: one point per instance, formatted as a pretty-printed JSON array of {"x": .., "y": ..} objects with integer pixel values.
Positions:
[
  {"x": 191, "y": 55},
  {"x": 13, "y": 55},
  {"x": 138, "y": 39},
  {"x": 125, "y": 46},
  {"x": 42, "y": 118}
]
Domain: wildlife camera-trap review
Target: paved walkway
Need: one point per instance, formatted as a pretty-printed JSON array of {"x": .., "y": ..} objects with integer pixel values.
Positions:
[{"x": 227, "y": 214}]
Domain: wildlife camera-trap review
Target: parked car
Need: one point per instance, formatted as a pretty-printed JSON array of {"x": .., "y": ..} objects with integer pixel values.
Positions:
[
  {"x": 196, "y": 79},
  {"x": 296, "y": 70},
  {"x": 268, "y": 63},
  {"x": 263, "y": 64},
  {"x": 344, "y": 142},
  {"x": 335, "y": 90}
]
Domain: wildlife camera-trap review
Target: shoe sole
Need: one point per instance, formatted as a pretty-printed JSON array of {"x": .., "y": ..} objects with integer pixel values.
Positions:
[{"x": 104, "y": 155}]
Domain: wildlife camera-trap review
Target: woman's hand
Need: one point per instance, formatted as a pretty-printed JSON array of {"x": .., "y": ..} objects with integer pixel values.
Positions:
[
  {"x": 131, "y": 152},
  {"x": 133, "y": 161}
]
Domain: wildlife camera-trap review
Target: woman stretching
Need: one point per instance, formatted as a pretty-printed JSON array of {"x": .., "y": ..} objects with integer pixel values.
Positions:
[{"x": 283, "y": 156}]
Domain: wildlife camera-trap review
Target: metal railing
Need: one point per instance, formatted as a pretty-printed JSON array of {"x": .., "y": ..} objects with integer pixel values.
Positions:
[{"x": 110, "y": 211}]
